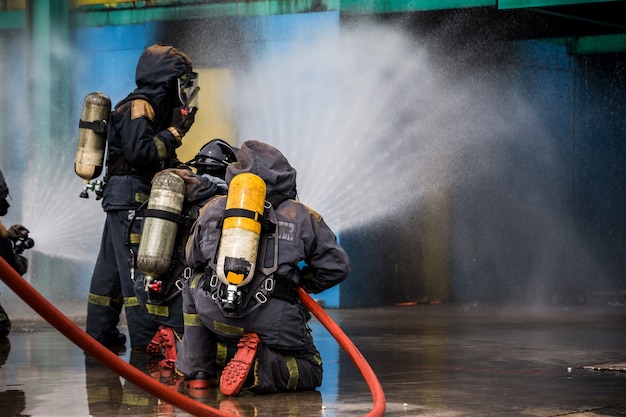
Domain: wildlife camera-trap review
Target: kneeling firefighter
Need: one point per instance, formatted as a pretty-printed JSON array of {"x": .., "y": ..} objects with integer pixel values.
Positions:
[
  {"x": 159, "y": 267},
  {"x": 240, "y": 309},
  {"x": 13, "y": 242}
]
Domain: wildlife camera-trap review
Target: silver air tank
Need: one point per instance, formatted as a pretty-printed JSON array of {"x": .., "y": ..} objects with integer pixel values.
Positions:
[
  {"x": 92, "y": 135},
  {"x": 158, "y": 235}
]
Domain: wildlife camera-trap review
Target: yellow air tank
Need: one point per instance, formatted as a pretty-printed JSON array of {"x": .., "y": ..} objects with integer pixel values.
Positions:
[
  {"x": 158, "y": 235},
  {"x": 92, "y": 135},
  {"x": 236, "y": 257}
]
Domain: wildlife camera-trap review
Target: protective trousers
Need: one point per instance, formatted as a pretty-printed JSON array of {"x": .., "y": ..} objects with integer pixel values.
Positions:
[
  {"x": 167, "y": 312},
  {"x": 210, "y": 341},
  {"x": 111, "y": 282}
]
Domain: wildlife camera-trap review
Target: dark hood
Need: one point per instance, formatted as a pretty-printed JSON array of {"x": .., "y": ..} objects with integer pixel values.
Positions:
[
  {"x": 268, "y": 163},
  {"x": 157, "y": 70}
]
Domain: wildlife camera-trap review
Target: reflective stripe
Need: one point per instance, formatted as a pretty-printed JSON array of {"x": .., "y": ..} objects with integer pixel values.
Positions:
[
  {"x": 191, "y": 319},
  {"x": 157, "y": 310},
  {"x": 100, "y": 300},
  {"x": 141, "y": 197},
  {"x": 228, "y": 329},
  {"x": 222, "y": 354},
  {"x": 294, "y": 375},
  {"x": 160, "y": 147},
  {"x": 141, "y": 108},
  {"x": 135, "y": 399},
  {"x": 135, "y": 238},
  {"x": 194, "y": 282},
  {"x": 131, "y": 302},
  {"x": 99, "y": 395}
]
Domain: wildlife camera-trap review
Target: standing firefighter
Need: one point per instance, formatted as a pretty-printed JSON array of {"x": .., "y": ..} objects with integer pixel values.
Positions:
[
  {"x": 144, "y": 131},
  {"x": 242, "y": 318}
]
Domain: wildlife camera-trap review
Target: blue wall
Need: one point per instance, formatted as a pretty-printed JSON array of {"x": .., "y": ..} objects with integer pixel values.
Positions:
[{"x": 540, "y": 220}]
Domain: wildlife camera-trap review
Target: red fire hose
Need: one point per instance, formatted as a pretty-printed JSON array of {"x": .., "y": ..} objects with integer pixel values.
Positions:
[
  {"x": 88, "y": 344},
  {"x": 346, "y": 344}
]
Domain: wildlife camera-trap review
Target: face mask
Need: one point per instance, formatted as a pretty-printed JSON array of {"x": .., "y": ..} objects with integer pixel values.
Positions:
[{"x": 188, "y": 89}]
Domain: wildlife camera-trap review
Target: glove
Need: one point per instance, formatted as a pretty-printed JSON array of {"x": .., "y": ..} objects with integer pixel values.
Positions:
[
  {"x": 307, "y": 283},
  {"x": 18, "y": 231},
  {"x": 220, "y": 183},
  {"x": 182, "y": 119}
]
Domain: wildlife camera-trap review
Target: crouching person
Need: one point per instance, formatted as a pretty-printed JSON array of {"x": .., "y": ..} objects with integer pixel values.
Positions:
[{"x": 244, "y": 327}]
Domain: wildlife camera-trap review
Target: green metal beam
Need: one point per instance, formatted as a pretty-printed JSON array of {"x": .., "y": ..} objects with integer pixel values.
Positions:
[
  {"x": 87, "y": 17},
  {"x": 522, "y": 4},
  {"x": 124, "y": 15},
  {"x": 142, "y": 12},
  {"x": 395, "y": 6},
  {"x": 600, "y": 44}
]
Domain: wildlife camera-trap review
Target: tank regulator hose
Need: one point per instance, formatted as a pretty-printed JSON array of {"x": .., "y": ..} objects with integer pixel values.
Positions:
[{"x": 92, "y": 347}]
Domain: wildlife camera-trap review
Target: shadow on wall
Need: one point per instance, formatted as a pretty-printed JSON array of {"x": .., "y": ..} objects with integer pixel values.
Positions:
[{"x": 404, "y": 258}]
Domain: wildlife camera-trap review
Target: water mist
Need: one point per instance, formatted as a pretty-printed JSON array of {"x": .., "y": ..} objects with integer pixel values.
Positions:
[{"x": 377, "y": 122}]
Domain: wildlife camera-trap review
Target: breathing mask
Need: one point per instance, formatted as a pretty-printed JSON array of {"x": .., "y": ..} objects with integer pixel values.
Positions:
[{"x": 188, "y": 89}]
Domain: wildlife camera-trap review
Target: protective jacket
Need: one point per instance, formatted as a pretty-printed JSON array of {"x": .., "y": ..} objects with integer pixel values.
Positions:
[
  {"x": 17, "y": 261},
  {"x": 139, "y": 145},
  {"x": 280, "y": 320},
  {"x": 139, "y": 142}
]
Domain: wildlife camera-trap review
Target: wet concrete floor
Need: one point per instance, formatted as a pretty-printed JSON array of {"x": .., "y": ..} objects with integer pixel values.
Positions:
[{"x": 440, "y": 360}]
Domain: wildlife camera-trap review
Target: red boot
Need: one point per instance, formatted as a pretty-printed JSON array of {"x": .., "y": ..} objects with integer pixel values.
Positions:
[
  {"x": 164, "y": 343},
  {"x": 235, "y": 373}
]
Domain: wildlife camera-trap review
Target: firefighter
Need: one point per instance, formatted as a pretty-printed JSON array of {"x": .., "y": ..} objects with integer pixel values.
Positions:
[
  {"x": 10, "y": 249},
  {"x": 144, "y": 131},
  {"x": 163, "y": 300},
  {"x": 254, "y": 336}
]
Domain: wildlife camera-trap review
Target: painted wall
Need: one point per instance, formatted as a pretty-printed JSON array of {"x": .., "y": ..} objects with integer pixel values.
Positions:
[{"x": 509, "y": 153}]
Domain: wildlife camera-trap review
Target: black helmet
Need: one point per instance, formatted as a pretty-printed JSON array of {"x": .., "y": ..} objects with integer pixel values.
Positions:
[{"x": 214, "y": 156}]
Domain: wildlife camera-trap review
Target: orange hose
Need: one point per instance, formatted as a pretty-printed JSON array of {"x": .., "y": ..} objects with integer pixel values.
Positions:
[
  {"x": 346, "y": 344},
  {"x": 88, "y": 344}
]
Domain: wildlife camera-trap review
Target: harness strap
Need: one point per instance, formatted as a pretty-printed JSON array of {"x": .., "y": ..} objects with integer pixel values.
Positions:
[
  {"x": 284, "y": 288},
  {"x": 266, "y": 224},
  {"x": 241, "y": 212},
  {"x": 98, "y": 126},
  {"x": 166, "y": 215}
]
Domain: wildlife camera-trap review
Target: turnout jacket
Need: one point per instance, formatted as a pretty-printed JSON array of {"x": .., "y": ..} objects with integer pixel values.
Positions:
[
  {"x": 302, "y": 236},
  {"x": 139, "y": 142},
  {"x": 16, "y": 261}
]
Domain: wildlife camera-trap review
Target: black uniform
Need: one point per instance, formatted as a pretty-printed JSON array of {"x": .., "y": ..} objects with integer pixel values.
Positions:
[
  {"x": 16, "y": 260},
  {"x": 287, "y": 358},
  {"x": 141, "y": 142},
  {"x": 165, "y": 306}
]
